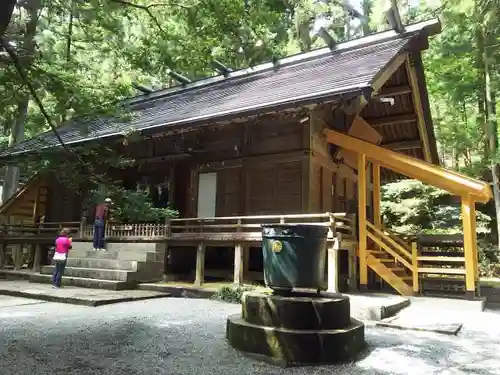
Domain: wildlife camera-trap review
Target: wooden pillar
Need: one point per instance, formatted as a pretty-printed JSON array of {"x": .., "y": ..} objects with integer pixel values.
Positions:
[
  {"x": 36, "y": 206},
  {"x": 238, "y": 264},
  {"x": 470, "y": 245},
  {"x": 353, "y": 267},
  {"x": 414, "y": 264},
  {"x": 377, "y": 218},
  {"x": 363, "y": 268},
  {"x": 37, "y": 261},
  {"x": 200, "y": 264},
  {"x": 2, "y": 255},
  {"x": 333, "y": 266},
  {"x": 18, "y": 257},
  {"x": 83, "y": 225},
  {"x": 246, "y": 262}
]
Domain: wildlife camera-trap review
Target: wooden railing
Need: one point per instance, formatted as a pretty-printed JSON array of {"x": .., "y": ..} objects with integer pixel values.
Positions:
[
  {"x": 440, "y": 262},
  {"x": 223, "y": 228},
  {"x": 21, "y": 244},
  {"x": 414, "y": 259},
  {"x": 248, "y": 228}
]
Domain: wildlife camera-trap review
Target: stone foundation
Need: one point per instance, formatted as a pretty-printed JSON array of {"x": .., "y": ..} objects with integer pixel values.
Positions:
[{"x": 303, "y": 329}]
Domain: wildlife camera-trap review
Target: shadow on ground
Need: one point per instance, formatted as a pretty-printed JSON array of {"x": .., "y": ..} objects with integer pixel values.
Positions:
[{"x": 181, "y": 336}]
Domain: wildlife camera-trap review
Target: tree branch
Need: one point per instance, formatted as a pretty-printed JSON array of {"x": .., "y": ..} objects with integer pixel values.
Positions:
[
  {"x": 142, "y": 7},
  {"x": 147, "y": 8},
  {"x": 24, "y": 78}
]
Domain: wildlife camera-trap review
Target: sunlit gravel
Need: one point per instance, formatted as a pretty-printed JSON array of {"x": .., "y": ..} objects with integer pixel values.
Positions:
[{"x": 186, "y": 337}]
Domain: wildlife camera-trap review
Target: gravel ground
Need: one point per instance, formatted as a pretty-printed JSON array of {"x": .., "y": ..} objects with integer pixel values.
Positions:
[{"x": 186, "y": 336}]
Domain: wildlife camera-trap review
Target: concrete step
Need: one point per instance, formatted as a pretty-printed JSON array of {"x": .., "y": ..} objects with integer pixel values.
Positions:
[
  {"x": 84, "y": 282},
  {"x": 94, "y": 273},
  {"x": 109, "y": 264},
  {"x": 123, "y": 246},
  {"x": 126, "y": 255}
]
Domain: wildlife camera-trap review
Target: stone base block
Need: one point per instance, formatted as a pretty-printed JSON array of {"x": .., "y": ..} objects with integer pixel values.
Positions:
[
  {"x": 302, "y": 311},
  {"x": 292, "y": 347}
]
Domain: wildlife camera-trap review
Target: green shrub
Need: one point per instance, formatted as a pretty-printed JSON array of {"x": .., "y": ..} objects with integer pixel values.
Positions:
[{"x": 232, "y": 293}]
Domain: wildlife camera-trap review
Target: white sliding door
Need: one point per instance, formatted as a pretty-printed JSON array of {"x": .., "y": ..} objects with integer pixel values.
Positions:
[{"x": 207, "y": 194}]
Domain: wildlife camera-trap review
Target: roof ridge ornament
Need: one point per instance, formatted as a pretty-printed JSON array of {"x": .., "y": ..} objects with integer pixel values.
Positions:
[
  {"x": 142, "y": 88},
  {"x": 178, "y": 77},
  {"x": 221, "y": 68},
  {"x": 327, "y": 38},
  {"x": 394, "y": 18}
]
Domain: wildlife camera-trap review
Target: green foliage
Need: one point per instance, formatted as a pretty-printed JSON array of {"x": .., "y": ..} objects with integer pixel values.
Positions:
[
  {"x": 410, "y": 207},
  {"x": 132, "y": 206},
  {"x": 489, "y": 259},
  {"x": 232, "y": 293}
]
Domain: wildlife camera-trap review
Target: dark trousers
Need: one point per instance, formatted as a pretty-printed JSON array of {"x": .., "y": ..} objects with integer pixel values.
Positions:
[
  {"x": 58, "y": 272},
  {"x": 99, "y": 234}
]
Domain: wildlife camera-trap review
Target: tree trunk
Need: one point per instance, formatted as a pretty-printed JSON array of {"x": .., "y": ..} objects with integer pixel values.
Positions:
[
  {"x": 491, "y": 124},
  {"x": 12, "y": 173},
  {"x": 6, "y": 10},
  {"x": 481, "y": 110}
]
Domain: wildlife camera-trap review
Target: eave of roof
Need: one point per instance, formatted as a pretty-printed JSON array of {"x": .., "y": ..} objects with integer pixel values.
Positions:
[{"x": 159, "y": 109}]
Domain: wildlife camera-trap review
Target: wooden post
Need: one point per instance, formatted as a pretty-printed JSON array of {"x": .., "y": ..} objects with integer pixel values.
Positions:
[
  {"x": 83, "y": 225},
  {"x": 238, "y": 264},
  {"x": 36, "y": 206},
  {"x": 18, "y": 257},
  {"x": 238, "y": 259},
  {"x": 200, "y": 265},
  {"x": 414, "y": 264},
  {"x": 2, "y": 255},
  {"x": 353, "y": 259},
  {"x": 246, "y": 262},
  {"x": 470, "y": 245},
  {"x": 363, "y": 268},
  {"x": 37, "y": 261},
  {"x": 333, "y": 266},
  {"x": 377, "y": 218}
]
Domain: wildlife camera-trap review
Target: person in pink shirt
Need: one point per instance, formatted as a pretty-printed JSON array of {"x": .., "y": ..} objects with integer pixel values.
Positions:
[{"x": 63, "y": 244}]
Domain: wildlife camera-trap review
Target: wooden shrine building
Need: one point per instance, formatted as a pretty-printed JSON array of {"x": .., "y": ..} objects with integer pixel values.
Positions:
[{"x": 309, "y": 138}]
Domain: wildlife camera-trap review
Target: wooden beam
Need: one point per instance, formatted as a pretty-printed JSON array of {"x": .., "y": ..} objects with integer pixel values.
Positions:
[
  {"x": 417, "y": 103},
  {"x": 470, "y": 245},
  {"x": 382, "y": 77},
  {"x": 391, "y": 120},
  {"x": 404, "y": 145},
  {"x": 363, "y": 267},
  {"x": 394, "y": 91},
  {"x": 451, "y": 181},
  {"x": 358, "y": 104}
]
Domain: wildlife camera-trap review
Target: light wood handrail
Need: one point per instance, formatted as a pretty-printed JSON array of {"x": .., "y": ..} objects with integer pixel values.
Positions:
[
  {"x": 400, "y": 248},
  {"x": 389, "y": 250}
]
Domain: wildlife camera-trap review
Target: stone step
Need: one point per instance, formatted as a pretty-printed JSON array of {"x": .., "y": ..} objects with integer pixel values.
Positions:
[
  {"x": 122, "y": 246},
  {"x": 85, "y": 282},
  {"x": 117, "y": 255},
  {"x": 94, "y": 273},
  {"x": 110, "y": 264}
]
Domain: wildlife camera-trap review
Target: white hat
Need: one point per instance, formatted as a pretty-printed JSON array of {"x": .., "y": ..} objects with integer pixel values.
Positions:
[{"x": 107, "y": 200}]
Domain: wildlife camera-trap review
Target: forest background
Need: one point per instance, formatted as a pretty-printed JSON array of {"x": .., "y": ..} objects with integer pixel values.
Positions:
[{"x": 83, "y": 54}]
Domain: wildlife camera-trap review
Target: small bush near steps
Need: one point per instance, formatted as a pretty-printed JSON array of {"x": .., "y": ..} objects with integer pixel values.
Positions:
[{"x": 232, "y": 293}]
